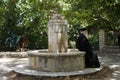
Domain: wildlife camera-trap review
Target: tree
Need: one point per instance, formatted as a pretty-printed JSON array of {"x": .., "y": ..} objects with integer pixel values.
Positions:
[{"x": 30, "y": 17}]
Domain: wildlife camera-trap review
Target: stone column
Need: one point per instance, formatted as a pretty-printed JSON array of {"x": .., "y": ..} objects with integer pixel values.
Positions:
[
  {"x": 57, "y": 34},
  {"x": 101, "y": 39}
]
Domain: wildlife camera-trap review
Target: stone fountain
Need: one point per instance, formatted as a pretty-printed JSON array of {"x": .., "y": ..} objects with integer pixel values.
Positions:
[{"x": 57, "y": 60}]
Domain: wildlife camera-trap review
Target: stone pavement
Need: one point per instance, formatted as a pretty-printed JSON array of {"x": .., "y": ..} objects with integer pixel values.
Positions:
[
  {"x": 7, "y": 65},
  {"x": 113, "y": 62},
  {"x": 110, "y": 60}
]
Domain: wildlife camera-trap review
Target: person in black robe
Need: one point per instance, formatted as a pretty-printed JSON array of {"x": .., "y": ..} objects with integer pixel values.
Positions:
[
  {"x": 119, "y": 40},
  {"x": 82, "y": 44}
]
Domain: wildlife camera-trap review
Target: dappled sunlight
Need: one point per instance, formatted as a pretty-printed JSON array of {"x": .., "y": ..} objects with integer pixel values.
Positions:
[
  {"x": 105, "y": 72},
  {"x": 114, "y": 66},
  {"x": 98, "y": 69},
  {"x": 4, "y": 78},
  {"x": 6, "y": 60},
  {"x": 114, "y": 74},
  {"x": 112, "y": 71},
  {"x": 80, "y": 71},
  {"x": 99, "y": 57},
  {"x": 113, "y": 79},
  {"x": 20, "y": 66},
  {"x": 12, "y": 62},
  {"x": 29, "y": 71},
  {"x": 4, "y": 68},
  {"x": 117, "y": 72}
]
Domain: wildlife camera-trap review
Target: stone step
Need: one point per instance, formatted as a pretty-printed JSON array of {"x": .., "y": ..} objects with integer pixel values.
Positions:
[{"x": 24, "y": 70}]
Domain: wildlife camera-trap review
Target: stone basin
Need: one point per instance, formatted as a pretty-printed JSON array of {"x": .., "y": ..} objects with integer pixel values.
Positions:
[{"x": 42, "y": 60}]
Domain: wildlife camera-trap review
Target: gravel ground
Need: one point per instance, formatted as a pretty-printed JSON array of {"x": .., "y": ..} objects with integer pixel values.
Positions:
[{"x": 111, "y": 70}]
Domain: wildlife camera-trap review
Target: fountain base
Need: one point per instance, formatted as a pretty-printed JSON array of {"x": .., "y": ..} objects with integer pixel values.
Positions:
[
  {"x": 42, "y": 60},
  {"x": 42, "y": 63},
  {"x": 25, "y": 70}
]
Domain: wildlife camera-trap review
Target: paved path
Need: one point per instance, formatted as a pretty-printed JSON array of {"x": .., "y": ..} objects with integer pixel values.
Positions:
[
  {"x": 7, "y": 65},
  {"x": 111, "y": 60}
]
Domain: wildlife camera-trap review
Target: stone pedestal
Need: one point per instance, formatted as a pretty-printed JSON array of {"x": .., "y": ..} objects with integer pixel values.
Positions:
[{"x": 57, "y": 34}]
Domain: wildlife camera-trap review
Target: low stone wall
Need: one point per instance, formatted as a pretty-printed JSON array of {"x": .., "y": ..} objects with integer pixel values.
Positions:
[
  {"x": 110, "y": 49},
  {"x": 23, "y": 54},
  {"x": 13, "y": 54}
]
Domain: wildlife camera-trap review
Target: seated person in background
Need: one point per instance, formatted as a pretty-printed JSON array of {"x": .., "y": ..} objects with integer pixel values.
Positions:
[
  {"x": 82, "y": 44},
  {"x": 119, "y": 40}
]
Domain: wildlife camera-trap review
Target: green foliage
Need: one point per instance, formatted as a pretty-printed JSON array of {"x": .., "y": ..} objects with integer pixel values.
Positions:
[{"x": 30, "y": 17}]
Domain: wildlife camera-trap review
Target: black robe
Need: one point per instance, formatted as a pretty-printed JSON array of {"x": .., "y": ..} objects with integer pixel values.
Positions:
[
  {"x": 91, "y": 59},
  {"x": 119, "y": 40}
]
